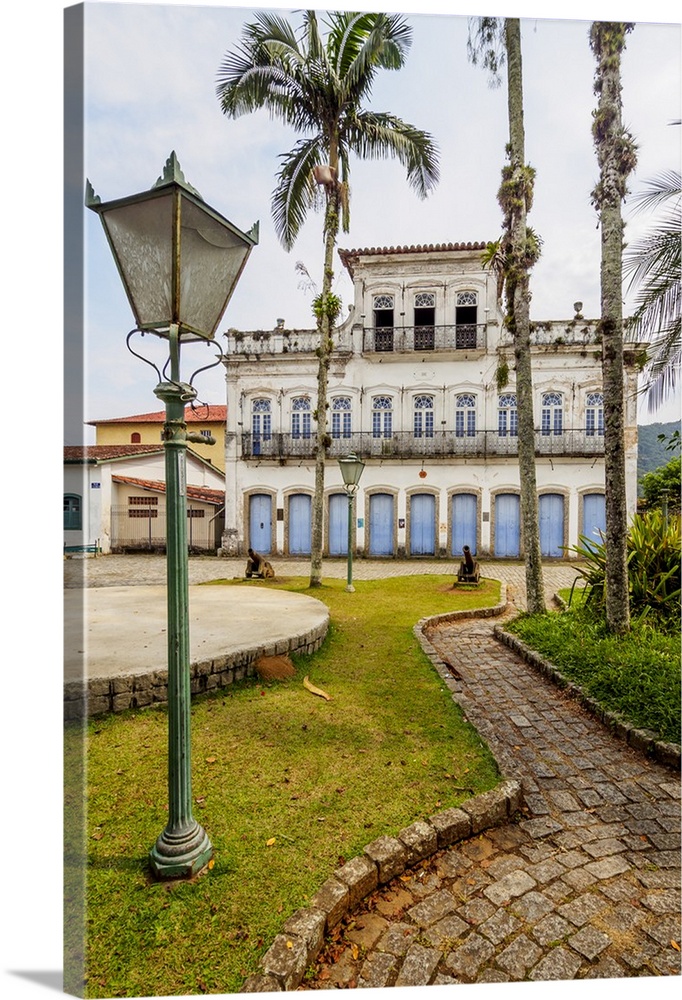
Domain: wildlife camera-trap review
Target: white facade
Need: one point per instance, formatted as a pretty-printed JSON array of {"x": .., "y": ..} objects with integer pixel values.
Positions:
[{"x": 417, "y": 389}]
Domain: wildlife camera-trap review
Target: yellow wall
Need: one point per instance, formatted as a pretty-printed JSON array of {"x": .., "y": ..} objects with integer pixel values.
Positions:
[{"x": 120, "y": 433}]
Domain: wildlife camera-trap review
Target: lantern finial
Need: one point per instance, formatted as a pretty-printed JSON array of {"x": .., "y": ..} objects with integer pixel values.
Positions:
[{"x": 172, "y": 174}]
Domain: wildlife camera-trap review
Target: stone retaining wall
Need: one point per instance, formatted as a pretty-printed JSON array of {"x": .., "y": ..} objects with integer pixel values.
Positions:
[{"x": 98, "y": 695}]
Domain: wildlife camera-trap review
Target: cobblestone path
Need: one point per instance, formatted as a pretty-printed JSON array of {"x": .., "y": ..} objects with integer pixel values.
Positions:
[{"x": 585, "y": 885}]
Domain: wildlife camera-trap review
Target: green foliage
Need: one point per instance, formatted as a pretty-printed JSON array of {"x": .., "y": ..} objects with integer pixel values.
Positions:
[
  {"x": 636, "y": 676},
  {"x": 653, "y": 553},
  {"x": 653, "y": 445},
  {"x": 327, "y": 305},
  {"x": 663, "y": 486}
]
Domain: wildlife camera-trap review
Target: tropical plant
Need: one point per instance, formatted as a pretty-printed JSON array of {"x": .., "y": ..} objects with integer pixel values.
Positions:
[
  {"x": 661, "y": 488},
  {"x": 654, "y": 263},
  {"x": 495, "y": 41},
  {"x": 616, "y": 156},
  {"x": 317, "y": 86},
  {"x": 653, "y": 561}
]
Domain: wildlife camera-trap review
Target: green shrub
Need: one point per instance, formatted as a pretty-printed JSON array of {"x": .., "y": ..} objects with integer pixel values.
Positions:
[{"x": 653, "y": 567}]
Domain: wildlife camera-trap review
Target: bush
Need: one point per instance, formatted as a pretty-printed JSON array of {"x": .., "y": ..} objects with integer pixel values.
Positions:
[{"x": 653, "y": 567}]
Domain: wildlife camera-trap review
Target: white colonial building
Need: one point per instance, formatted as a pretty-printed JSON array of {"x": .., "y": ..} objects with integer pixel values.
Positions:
[{"x": 421, "y": 387}]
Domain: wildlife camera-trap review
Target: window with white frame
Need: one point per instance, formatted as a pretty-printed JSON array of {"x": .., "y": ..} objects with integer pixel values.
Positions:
[
  {"x": 465, "y": 415},
  {"x": 552, "y": 417},
  {"x": 261, "y": 419},
  {"x": 594, "y": 414},
  {"x": 382, "y": 417},
  {"x": 301, "y": 413},
  {"x": 341, "y": 416},
  {"x": 507, "y": 417},
  {"x": 423, "y": 416}
]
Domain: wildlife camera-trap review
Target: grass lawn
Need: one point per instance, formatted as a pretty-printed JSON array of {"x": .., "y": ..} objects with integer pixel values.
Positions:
[
  {"x": 636, "y": 676},
  {"x": 287, "y": 785}
]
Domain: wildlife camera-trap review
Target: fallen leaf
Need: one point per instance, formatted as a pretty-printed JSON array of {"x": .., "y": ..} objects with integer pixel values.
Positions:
[
  {"x": 97, "y": 835},
  {"x": 211, "y": 864},
  {"x": 675, "y": 945},
  {"x": 290, "y": 944},
  {"x": 355, "y": 951},
  {"x": 269, "y": 843},
  {"x": 315, "y": 690},
  {"x": 211, "y": 760}
]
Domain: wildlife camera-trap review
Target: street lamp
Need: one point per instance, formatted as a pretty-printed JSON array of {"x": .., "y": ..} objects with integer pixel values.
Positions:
[
  {"x": 351, "y": 470},
  {"x": 179, "y": 261}
]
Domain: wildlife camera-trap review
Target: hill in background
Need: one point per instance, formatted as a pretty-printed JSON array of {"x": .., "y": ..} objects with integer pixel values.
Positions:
[{"x": 651, "y": 453}]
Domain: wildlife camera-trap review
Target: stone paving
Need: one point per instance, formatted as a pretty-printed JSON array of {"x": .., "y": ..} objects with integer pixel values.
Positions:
[{"x": 585, "y": 884}]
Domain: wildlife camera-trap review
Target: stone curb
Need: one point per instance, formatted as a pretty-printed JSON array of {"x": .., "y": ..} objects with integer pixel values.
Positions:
[
  {"x": 643, "y": 740},
  {"x": 92, "y": 696},
  {"x": 285, "y": 962}
]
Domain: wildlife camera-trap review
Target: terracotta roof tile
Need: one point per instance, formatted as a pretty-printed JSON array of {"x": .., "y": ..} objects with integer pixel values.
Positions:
[
  {"x": 348, "y": 257},
  {"x": 200, "y": 415},
  {"x": 102, "y": 452},
  {"x": 215, "y": 497}
]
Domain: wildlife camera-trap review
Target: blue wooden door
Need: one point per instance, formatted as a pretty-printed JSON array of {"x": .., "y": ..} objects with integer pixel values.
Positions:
[
  {"x": 422, "y": 525},
  {"x": 463, "y": 523},
  {"x": 507, "y": 526},
  {"x": 260, "y": 523},
  {"x": 594, "y": 516},
  {"x": 299, "y": 524},
  {"x": 338, "y": 524},
  {"x": 551, "y": 514},
  {"x": 381, "y": 524}
]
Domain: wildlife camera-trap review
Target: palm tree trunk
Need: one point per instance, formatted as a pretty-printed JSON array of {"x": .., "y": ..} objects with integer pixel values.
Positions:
[
  {"x": 611, "y": 141},
  {"x": 535, "y": 595},
  {"x": 326, "y": 319}
]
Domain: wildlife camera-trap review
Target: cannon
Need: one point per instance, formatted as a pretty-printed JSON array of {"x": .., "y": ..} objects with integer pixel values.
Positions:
[
  {"x": 257, "y": 566},
  {"x": 469, "y": 571}
]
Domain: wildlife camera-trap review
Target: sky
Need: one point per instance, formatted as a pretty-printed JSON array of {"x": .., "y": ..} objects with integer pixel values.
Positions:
[
  {"x": 148, "y": 92},
  {"x": 150, "y": 76}
]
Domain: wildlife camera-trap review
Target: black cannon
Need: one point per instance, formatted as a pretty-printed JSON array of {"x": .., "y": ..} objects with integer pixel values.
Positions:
[
  {"x": 469, "y": 571},
  {"x": 257, "y": 566}
]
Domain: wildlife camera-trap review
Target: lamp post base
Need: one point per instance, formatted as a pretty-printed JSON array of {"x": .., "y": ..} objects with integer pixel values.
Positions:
[{"x": 181, "y": 854}]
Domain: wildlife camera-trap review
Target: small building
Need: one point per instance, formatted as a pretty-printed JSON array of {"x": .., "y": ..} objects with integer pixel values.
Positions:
[
  {"x": 146, "y": 428},
  {"x": 422, "y": 388},
  {"x": 114, "y": 499}
]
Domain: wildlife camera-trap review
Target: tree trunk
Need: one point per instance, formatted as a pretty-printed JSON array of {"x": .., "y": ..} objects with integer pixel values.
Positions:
[
  {"x": 535, "y": 595},
  {"x": 326, "y": 318},
  {"x": 611, "y": 141}
]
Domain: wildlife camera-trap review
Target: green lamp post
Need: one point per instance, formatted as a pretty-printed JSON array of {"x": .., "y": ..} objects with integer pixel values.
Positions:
[
  {"x": 179, "y": 261},
  {"x": 351, "y": 470}
]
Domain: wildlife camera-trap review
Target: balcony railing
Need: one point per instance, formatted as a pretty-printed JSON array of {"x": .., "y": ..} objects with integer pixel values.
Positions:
[
  {"x": 408, "y": 339},
  {"x": 266, "y": 343},
  {"x": 558, "y": 333},
  {"x": 440, "y": 444}
]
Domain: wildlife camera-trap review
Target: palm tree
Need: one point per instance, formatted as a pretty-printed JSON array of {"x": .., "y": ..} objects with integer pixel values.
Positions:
[
  {"x": 317, "y": 86},
  {"x": 495, "y": 41},
  {"x": 654, "y": 265},
  {"x": 616, "y": 155}
]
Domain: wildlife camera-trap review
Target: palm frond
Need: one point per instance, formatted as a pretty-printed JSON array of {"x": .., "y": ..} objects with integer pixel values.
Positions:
[
  {"x": 295, "y": 193},
  {"x": 379, "y": 135}
]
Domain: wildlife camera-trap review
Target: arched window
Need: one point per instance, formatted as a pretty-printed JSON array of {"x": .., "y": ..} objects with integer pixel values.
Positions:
[
  {"x": 507, "y": 418},
  {"x": 465, "y": 415},
  {"x": 261, "y": 419},
  {"x": 423, "y": 416},
  {"x": 341, "y": 417},
  {"x": 466, "y": 318},
  {"x": 301, "y": 417},
  {"x": 552, "y": 413},
  {"x": 135, "y": 437},
  {"x": 73, "y": 520},
  {"x": 594, "y": 414},
  {"x": 424, "y": 320},
  {"x": 382, "y": 417}
]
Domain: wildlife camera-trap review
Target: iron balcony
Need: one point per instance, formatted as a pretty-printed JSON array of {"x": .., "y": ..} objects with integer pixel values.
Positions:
[{"x": 439, "y": 444}]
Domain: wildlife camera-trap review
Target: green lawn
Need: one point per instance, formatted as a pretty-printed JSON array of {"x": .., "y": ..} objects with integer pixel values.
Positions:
[
  {"x": 637, "y": 676},
  {"x": 287, "y": 785}
]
